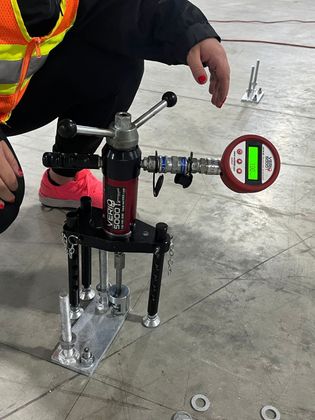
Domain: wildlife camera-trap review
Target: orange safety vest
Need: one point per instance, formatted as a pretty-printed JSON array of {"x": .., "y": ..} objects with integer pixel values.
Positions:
[{"x": 21, "y": 56}]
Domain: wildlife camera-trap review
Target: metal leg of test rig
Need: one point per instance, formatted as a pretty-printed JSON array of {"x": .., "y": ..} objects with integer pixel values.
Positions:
[
  {"x": 74, "y": 279},
  {"x": 86, "y": 293},
  {"x": 152, "y": 319}
]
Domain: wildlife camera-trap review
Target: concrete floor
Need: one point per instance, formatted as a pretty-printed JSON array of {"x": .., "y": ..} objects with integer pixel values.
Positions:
[{"x": 238, "y": 312}]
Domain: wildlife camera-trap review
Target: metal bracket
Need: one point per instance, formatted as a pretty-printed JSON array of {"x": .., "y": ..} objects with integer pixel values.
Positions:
[
  {"x": 95, "y": 331},
  {"x": 253, "y": 94}
]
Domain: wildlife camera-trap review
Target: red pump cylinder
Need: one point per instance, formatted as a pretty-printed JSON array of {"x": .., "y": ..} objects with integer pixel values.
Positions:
[{"x": 121, "y": 171}]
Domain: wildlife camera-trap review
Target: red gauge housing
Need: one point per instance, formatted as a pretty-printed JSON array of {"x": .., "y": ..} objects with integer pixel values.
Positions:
[{"x": 250, "y": 164}]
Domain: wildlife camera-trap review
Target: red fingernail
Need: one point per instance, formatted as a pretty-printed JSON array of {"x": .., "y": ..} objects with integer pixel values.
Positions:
[
  {"x": 202, "y": 79},
  {"x": 1, "y": 206},
  {"x": 20, "y": 172}
]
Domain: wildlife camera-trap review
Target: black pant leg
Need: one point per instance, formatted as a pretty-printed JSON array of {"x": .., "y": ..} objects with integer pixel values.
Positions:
[{"x": 78, "y": 81}]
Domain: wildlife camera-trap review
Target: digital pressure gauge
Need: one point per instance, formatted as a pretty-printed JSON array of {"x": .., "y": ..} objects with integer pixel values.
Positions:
[{"x": 250, "y": 163}]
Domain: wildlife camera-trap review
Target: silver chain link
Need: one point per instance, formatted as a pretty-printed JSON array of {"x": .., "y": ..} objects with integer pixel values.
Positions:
[
  {"x": 64, "y": 241},
  {"x": 70, "y": 243},
  {"x": 171, "y": 254}
]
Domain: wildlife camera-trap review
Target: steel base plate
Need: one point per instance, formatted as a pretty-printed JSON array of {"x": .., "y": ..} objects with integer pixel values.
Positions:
[
  {"x": 96, "y": 331},
  {"x": 254, "y": 97}
]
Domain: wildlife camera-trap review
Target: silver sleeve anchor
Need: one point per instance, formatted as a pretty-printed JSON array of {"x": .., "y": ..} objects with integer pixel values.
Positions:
[
  {"x": 119, "y": 294},
  {"x": 103, "y": 286},
  {"x": 253, "y": 94},
  {"x": 67, "y": 353}
]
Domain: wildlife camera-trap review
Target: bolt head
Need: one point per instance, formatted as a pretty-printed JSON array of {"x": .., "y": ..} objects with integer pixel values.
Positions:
[
  {"x": 87, "y": 358},
  {"x": 123, "y": 120}
]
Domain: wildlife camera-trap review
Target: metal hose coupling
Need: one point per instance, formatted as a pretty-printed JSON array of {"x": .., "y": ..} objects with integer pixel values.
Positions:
[{"x": 181, "y": 165}]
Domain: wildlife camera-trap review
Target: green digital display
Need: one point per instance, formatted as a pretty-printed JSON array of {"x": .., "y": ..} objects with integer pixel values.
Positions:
[{"x": 252, "y": 163}]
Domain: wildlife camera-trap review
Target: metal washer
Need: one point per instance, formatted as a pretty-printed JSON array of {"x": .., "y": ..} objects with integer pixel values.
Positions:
[
  {"x": 202, "y": 397},
  {"x": 274, "y": 410},
  {"x": 181, "y": 415}
]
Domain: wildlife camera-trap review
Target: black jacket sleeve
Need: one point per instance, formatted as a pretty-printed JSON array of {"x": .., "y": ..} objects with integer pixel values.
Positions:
[{"x": 158, "y": 30}]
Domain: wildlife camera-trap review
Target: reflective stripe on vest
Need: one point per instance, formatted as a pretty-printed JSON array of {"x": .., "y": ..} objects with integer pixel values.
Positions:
[
  {"x": 22, "y": 56},
  {"x": 10, "y": 70}
]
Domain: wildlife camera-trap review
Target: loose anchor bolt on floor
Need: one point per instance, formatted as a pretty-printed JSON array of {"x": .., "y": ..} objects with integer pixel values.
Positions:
[{"x": 253, "y": 94}]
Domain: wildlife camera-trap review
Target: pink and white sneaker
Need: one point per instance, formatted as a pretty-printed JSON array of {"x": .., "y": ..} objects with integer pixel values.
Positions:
[{"x": 68, "y": 195}]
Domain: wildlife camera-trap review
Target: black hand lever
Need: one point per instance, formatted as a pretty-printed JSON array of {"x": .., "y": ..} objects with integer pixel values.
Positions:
[
  {"x": 67, "y": 129},
  {"x": 169, "y": 99},
  {"x": 71, "y": 161}
]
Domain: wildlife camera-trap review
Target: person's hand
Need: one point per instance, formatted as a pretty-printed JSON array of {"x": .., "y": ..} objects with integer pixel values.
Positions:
[
  {"x": 9, "y": 170},
  {"x": 210, "y": 52}
]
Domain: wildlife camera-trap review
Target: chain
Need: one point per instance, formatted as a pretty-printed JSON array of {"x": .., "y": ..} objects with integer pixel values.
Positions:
[
  {"x": 64, "y": 241},
  {"x": 171, "y": 254},
  {"x": 70, "y": 243}
]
